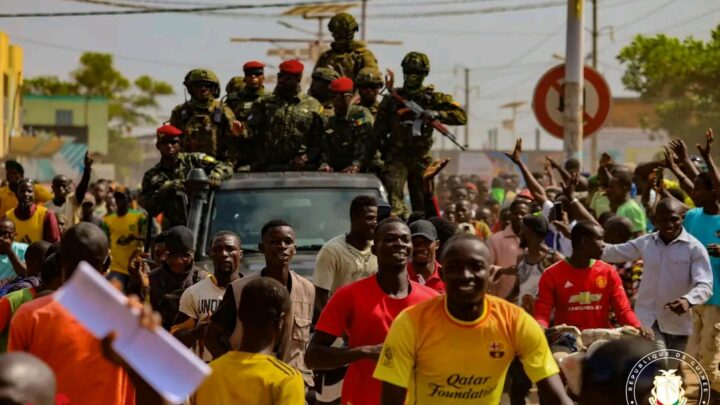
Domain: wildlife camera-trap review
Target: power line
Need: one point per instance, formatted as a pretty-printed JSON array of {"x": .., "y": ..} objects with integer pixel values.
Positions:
[
  {"x": 163, "y": 10},
  {"x": 633, "y": 21},
  {"x": 488, "y": 10}
]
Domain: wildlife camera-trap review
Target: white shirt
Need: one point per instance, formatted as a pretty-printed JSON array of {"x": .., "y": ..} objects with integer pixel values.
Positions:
[
  {"x": 680, "y": 269},
  {"x": 338, "y": 264},
  {"x": 199, "y": 301}
]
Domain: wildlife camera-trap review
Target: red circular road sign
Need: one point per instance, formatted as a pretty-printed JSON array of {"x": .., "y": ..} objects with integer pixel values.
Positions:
[{"x": 548, "y": 101}]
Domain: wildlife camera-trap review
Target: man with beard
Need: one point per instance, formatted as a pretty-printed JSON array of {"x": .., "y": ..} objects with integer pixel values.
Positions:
[
  {"x": 423, "y": 268},
  {"x": 363, "y": 311},
  {"x": 405, "y": 152},
  {"x": 345, "y": 56},
  {"x": 225, "y": 332},
  {"x": 164, "y": 183},
  {"x": 320, "y": 88},
  {"x": 457, "y": 348},
  {"x": 286, "y": 125},
  {"x": 208, "y": 124},
  {"x": 13, "y": 173},
  {"x": 200, "y": 300},
  {"x": 32, "y": 222}
]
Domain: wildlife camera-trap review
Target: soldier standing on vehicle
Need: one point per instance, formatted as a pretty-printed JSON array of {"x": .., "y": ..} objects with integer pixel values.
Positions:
[
  {"x": 343, "y": 145},
  {"x": 368, "y": 83},
  {"x": 346, "y": 56},
  {"x": 320, "y": 88},
  {"x": 163, "y": 186},
  {"x": 250, "y": 88},
  {"x": 286, "y": 125},
  {"x": 207, "y": 124},
  {"x": 242, "y": 92},
  {"x": 404, "y": 144}
]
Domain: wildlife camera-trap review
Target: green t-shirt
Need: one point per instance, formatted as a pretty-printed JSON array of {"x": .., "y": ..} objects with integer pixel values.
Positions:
[
  {"x": 631, "y": 210},
  {"x": 599, "y": 203}
]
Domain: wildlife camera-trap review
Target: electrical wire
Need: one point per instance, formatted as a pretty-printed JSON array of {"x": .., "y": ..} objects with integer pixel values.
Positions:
[{"x": 488, "y": 10}]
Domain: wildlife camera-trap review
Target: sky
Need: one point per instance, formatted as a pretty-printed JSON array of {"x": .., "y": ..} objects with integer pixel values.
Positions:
[{"x": 507, "y": 52}]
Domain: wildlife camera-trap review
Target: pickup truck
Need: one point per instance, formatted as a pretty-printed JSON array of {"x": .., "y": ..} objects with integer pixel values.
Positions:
[{"x": 316, "y": 204}]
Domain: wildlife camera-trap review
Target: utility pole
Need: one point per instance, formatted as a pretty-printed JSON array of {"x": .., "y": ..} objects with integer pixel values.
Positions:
[
  {"x": 363, "y": 19},
  {"x": 593, "y": 139},
  {"x": 573, "y": 122},
  {"x": 467, "y": 105}
]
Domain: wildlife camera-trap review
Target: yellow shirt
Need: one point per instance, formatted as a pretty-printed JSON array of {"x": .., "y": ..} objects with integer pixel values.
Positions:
[
  {"x": 124, "y": 233},
  {"x": 29, "y": 230},
  {"x": 442, "y": 360},
  {"x": 8, "y": 200},
  {"x": 250, "y": 379}
]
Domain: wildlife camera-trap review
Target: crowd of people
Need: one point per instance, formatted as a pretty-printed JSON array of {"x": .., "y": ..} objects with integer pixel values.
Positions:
[{"x": 454, "y": 301}]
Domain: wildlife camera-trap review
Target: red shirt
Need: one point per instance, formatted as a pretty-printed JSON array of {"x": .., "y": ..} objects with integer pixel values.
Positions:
[
  {"x": 364, "y": 312},
  {"x": 583, "y": 297},
  {"x": 434, "y": 281}
]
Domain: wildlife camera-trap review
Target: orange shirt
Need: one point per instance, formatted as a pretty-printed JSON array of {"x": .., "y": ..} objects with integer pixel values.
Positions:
[{"x": 45, "y": 329}]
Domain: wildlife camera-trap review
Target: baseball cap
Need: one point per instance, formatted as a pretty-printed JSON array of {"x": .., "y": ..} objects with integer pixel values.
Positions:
[{"x": 424, "y": 228}]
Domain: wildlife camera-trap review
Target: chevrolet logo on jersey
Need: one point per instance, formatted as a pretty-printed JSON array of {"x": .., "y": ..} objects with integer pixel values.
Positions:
[{"x": 585, "y": 298}]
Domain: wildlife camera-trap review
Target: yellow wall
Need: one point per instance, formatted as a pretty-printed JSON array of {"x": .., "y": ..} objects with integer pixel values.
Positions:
[
  {"x": 86, "y": 111},
  {"x": 11, "y": 78}
]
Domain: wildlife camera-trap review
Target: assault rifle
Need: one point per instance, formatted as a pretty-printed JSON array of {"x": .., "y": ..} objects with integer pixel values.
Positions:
[{"x": 426, "y": 117}]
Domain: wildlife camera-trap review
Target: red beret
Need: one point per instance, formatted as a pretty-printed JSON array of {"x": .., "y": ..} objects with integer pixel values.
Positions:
[
  {"x": 342, "y": 85},
  {"x": 168, "y": 131},
  {"x": 294, "y": 67},
  {"x": 253, "y": 64}
]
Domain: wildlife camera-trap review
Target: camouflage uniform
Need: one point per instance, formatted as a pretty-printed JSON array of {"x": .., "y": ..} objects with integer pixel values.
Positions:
[
  {"x": 369, "y": 76},
  {"x": 283, "y": 130},
  {"x": 345, "y": 139},
  {"x": 346, "y": 56},
  {"x": 323, "y": 76},
  {"x": 162, "y": 183},
  {"x": 240, "y": 99},
  {"x": 407, "y": 156},
  {"x": 206, "y": 124}
]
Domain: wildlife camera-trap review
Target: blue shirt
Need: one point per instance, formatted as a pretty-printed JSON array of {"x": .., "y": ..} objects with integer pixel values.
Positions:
[
  {"x": 706, "y": 229},
  {"x": 6, "y": 268}
]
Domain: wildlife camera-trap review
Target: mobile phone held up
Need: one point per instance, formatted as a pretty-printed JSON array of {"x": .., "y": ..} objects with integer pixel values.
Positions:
[{"x": 556, "y": 213}]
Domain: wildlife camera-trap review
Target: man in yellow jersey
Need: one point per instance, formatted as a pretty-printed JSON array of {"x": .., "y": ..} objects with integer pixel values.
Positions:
[
  {"x": 252, "y": 375},
  {"x": 126, "y": 231},
  {"x": 456, "y": 348},
  {"x": 13, "y": 173},
  {"x": 32, "y": 222}
]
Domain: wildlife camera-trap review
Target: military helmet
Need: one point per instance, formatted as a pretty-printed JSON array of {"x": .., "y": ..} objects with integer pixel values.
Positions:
[
  {"x": 416, "y": 62},
  {"x": 202, "y": 75},
  {"x": 327, "y": 74},
  {"x": 234, "y": 86},
  {"x": 369, "y": 76},
  {"x": 342, "y": 24}
]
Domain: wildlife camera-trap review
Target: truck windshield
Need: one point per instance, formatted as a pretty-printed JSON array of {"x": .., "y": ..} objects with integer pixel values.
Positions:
[{"x": 317, "y": 215}]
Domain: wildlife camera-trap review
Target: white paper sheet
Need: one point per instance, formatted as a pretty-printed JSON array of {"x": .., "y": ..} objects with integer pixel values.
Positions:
[{"x": 165, "y": 363}]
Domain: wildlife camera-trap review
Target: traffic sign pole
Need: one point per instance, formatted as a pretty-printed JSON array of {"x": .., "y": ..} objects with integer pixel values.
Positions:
[{"x": 573, "y": 109}]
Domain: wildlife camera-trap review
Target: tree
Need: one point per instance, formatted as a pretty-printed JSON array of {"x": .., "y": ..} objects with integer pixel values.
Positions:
[
  {"x": 681, "y": 76},
  {"x": 97, "y": 76},
  {"x": 129, "y": 103}
]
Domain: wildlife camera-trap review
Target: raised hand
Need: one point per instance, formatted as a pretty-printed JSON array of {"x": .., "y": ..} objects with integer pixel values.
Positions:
[
  {"x": 516, "y": 154},
  {"x": 435, "y": 168},
  {"x": 87, "y": 161},
  {"x": 709, "y": 137}
]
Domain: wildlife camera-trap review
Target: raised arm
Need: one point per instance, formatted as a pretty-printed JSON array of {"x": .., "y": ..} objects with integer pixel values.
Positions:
[
  {"x": 671, "y": 163},
  {"x": 533, "y": 185},
  {"x": 431, "y": 204},
  {"x": 82, "y": 187},
  {"x": 712, "y": 168},
  {"x": 577, "y": 209},
  {"x": 680, "y": 149}
]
